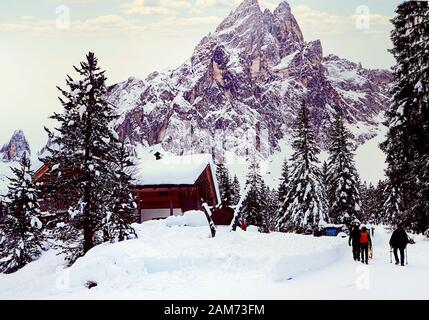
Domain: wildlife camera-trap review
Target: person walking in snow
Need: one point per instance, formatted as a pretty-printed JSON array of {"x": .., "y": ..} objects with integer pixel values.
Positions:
[
  {"x": 399, "y": 240},
  {"x": 354, "y": 242},
  {"x": 365, "y": 244}
]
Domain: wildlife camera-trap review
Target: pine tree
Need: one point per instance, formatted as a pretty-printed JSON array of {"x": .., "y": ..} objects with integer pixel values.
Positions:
[
  {"x": 253, "y": 205},
  {"x": 342, "y": 180},
  {"x": 117, "y": 222},
  {"x": 306, "y": 205},
  {"x": 225, "y": 185},
  {"x": 325, "y": 175},
  {"x": 22, "y": 238},
  {"x": 236, "y": 189},
  {"x": 408, "y": 117},
  {"x": 284, "y": 181},
  {"x": 391, "y": 205},
  {"x": 84, "y": 164},
  {"x": 377, "y": 203},
  {"x": 270, "y": 210},
  {"x": 367, "y": 193}
]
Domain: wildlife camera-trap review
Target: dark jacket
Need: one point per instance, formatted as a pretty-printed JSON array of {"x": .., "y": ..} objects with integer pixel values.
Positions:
[
  {"x": 399, "y": 239},
  {"x": 354, "y": 237}
]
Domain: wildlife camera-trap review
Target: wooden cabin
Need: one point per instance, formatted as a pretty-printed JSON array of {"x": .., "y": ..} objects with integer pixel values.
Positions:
[
  {"x": 173, "y": 185},
  {"x": 167, "y": 186}
]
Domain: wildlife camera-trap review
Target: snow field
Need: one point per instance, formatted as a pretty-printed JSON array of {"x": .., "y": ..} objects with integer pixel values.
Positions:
[
  {"x": 164, "y": 247},
  {"x": 168, "y": 253},
  {"x": 177, "y": 262}
]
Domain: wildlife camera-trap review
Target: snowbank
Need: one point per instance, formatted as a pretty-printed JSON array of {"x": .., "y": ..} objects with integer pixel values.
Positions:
[
  {"x": 167, "y": 249},
  {"x": 177, "y": 255},
  {"x": 192, "y": 218},
  {"x": 186, "y": 263},
  {"x": 287, "y": 267}
]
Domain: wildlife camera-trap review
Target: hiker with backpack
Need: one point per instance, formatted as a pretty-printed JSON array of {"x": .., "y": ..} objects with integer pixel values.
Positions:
[
  {"x": 354, "y": 242},
  {"x": 365, "y": 244},
  {"x": 399, "y": 240}
]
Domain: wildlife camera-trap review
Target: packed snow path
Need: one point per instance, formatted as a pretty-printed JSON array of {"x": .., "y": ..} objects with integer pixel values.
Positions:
[
  {"x": 171, "y": 261},
  {"x": 381, "y": 279}
]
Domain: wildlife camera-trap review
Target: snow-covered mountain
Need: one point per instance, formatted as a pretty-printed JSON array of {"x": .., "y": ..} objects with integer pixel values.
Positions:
[
  {"x": 10, "y": 153},
  {"x": 15, "y": 148},
  {"x": 242, "y": 88}
]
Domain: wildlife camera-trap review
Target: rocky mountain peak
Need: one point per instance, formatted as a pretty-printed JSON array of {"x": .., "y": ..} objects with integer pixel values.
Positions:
[
  {"x": 15, "y": 149},
  {"x": 250, "y": 76}
]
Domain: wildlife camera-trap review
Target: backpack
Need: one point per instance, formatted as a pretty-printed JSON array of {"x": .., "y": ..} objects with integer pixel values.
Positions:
[{"x": 364, "y": 239}]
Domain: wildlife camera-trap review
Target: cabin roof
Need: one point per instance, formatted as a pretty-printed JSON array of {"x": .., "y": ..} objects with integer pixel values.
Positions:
[{"x": 174, "y": 171}]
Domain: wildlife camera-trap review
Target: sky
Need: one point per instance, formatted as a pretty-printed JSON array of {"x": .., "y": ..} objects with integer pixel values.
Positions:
[{"x": 40, "y": 41}]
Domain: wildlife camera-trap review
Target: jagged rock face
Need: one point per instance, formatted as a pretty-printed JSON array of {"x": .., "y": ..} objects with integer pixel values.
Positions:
[
  {"x": 243, "y": 86},
  {"x": 15, "y": 148}
]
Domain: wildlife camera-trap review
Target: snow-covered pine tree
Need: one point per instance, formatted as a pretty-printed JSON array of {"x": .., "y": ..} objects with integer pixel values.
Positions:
[
  {"x": 377, "y": 200},
  {"x": 270, "y": 210},
  {"x": 392, "y": 212},
  {"x": 267, "y": 214},
  {"x": 253, "y": 205},
  {"x": 306, "y": 204},
  {"x": 117, "y": 222},
  {"x": 284, "y": 181},
  {"x": 324, "y": 175},
  {"x": 22, "y": 237},
  {"x": 225, "y": 185},
  {"x": 84, "y": 162},
  {"x": 408, "y": 116},
  {"x": 236, "y": 189},
  {"x": 343, "y": 181},
  {"x": 367, "y": 193}
]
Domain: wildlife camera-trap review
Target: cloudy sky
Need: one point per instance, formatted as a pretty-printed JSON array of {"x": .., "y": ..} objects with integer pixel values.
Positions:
[{"x": 40, "y": 40}]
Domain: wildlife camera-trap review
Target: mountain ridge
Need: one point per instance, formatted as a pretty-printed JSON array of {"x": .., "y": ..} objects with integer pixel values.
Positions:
[{"x": 247, "y": 79}]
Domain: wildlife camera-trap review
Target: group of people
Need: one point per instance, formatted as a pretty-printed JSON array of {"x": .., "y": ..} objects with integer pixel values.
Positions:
[{"x": 360, "y": 240}]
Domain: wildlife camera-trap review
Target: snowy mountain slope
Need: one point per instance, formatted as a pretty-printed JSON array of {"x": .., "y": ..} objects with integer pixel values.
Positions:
[
  {"x": 188, "y": 264},
  {"x": 242, "y": 87}
]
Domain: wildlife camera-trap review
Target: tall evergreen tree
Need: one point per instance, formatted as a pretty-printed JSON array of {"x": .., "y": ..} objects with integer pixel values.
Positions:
[
  {"x": 117, "y": 222},
  {"x": 306, "y": 205},
  {"x": 236, "y": 189},
  {"x": 391, "y": 205},
  {"x": 408, "y": 116},
  {"x": 22, "y": 237},
  {"x": 325, "y": 175},
  {"x": 253, "y": 205},
  {"x": 284, "y": 181},
  {"x": 270, "y": 210},
  {"x": 343, "y": 180},
  {"x": 225, "y": 184},
  {"x": 85, "y": 163}
]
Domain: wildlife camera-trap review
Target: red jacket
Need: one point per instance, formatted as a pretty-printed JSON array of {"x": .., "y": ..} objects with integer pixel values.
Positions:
[{"x": 365, "y": 238}]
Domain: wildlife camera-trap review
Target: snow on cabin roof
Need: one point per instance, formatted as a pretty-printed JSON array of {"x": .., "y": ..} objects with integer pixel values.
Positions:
[{"x": 175, "y": 170}]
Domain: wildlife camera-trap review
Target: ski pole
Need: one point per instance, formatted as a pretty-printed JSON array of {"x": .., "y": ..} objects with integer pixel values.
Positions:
[
  {"x": 390, "y": 255},
  {"x": 406, "y": 255}
]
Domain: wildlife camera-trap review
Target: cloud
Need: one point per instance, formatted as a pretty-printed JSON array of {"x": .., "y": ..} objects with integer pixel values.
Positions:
[
  {"x": 203, "y": 4},
  {"x": 160, "y": 7},
  {"x": 27, "y": 18},
  {"x": 101, "y": 25},
  {"x": 185, "y": 22},
  {"x": 322, "y": 22}
]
